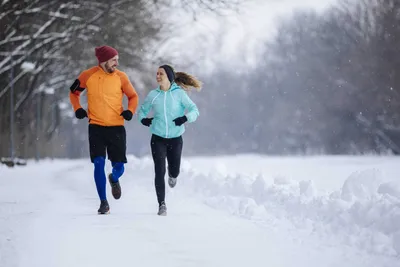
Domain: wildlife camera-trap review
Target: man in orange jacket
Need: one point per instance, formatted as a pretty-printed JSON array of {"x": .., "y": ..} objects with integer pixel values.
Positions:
[{"x": 106, "y": 87}]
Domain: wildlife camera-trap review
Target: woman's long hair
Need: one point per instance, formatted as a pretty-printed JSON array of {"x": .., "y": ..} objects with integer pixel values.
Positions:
[{"x": 186, "y": 81}]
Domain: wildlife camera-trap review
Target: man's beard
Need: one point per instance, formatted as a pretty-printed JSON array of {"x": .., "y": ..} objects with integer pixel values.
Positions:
[{"x": 109, "y": 68}]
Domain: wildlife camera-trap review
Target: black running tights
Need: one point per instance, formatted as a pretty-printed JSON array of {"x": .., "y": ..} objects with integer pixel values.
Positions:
[{"x": 170, "y": 149}]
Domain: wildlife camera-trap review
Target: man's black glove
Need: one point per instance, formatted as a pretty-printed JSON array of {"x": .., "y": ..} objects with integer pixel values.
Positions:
[
  {"x": 80, "y": 113},
  {"x": 127, "y": 114},
  {"x": 146, "y": 121},
  {"x": 180, "y": 120}
]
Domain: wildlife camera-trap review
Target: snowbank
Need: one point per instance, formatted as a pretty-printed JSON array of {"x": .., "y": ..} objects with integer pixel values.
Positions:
[{"x": 364, "y": 212}]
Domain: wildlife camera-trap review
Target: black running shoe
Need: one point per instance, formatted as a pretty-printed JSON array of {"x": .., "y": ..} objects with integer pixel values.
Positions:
[
  {"x": 115, "y": 187},
  {"x": 104, "y": 207}
]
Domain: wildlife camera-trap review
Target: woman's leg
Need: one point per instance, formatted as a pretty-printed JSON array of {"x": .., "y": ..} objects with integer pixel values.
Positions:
[
  {"x": 174, "y": 154},
  {"x": 159, "y": 152}
]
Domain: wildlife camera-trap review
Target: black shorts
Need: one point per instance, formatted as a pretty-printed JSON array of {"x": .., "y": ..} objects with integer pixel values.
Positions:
[{"x": 110, "y": 139}]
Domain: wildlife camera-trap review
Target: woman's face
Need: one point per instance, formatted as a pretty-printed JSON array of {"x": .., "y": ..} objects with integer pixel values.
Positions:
[{"x": 162, "y": 78}]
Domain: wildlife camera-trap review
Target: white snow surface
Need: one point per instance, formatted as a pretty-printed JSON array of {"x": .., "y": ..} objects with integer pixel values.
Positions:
[{"x": 225, "y": 211}]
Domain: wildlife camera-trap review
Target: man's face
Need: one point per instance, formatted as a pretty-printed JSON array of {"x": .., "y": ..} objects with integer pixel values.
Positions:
[{"x": 111, "y": 64}]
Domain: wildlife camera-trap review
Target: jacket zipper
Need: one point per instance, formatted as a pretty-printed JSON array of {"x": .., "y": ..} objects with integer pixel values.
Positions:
[
  {"x": 165, "y": 115},
  {"x": 100, "y": 92}
]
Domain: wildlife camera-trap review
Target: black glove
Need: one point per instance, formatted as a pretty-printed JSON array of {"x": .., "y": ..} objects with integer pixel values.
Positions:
[
  {"x": 80, "y": 113},
  {"x": 180, "y": 120},
  {"x": 127, "y": 114},
  {"x": 146, "y": 121}
]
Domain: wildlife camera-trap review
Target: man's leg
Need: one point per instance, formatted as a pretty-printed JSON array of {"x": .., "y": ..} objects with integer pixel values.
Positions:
[
  {"x": 100, "y": 177},
  {"x": 116, "y": 148},
  {"x": 174, "y": 153},
  {"x": 117, "y": 170},
  {"x": 97, "y": 149},
  {"x": 159, "y": 152}
]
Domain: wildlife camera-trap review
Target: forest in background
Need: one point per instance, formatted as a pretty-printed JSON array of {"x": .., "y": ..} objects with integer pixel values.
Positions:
[{"x": 325, "y": 83}]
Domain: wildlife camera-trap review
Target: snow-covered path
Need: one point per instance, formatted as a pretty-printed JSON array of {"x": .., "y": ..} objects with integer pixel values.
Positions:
[{"x": 48, "y": 218}]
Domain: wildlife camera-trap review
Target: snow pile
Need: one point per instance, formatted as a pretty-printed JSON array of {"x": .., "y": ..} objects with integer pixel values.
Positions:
[
  {"x": 364, "y": 212},
  {"x": 390, "y": 188},
  {"x": 361, "y": 185}
]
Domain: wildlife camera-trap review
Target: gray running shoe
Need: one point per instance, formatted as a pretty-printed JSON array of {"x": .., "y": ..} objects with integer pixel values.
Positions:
[
  {"x": 172, "y": 182},
  {"x": 162, "y": 210}
]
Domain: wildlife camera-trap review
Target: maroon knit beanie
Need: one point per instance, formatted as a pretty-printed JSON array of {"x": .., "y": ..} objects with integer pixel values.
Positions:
[{"x": 104, "y": 53}]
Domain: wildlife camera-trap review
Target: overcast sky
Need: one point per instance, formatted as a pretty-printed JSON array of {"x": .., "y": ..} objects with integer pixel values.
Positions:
[
  {"x": 258, "y": 21},
  {"x": 244, "y": 33}
]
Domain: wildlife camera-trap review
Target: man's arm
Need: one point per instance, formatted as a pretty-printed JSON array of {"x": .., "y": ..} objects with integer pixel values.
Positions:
[
  {"x": 74, "y": 95},
  {"x": 77, "y": 88},
  {"x": 130, "y": 92}
]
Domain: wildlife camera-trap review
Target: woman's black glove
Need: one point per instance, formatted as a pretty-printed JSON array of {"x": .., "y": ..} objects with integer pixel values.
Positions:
[
  {"x": 180, "y": 120},
  {"x": 146, "y": 121}
]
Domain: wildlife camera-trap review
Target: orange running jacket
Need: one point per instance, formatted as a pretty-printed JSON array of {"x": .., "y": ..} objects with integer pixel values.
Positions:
[{"x": 105, "y": 92}]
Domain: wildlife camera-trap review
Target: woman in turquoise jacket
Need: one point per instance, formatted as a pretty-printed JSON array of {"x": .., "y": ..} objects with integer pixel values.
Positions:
[{"x": 168, "y": 101}]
